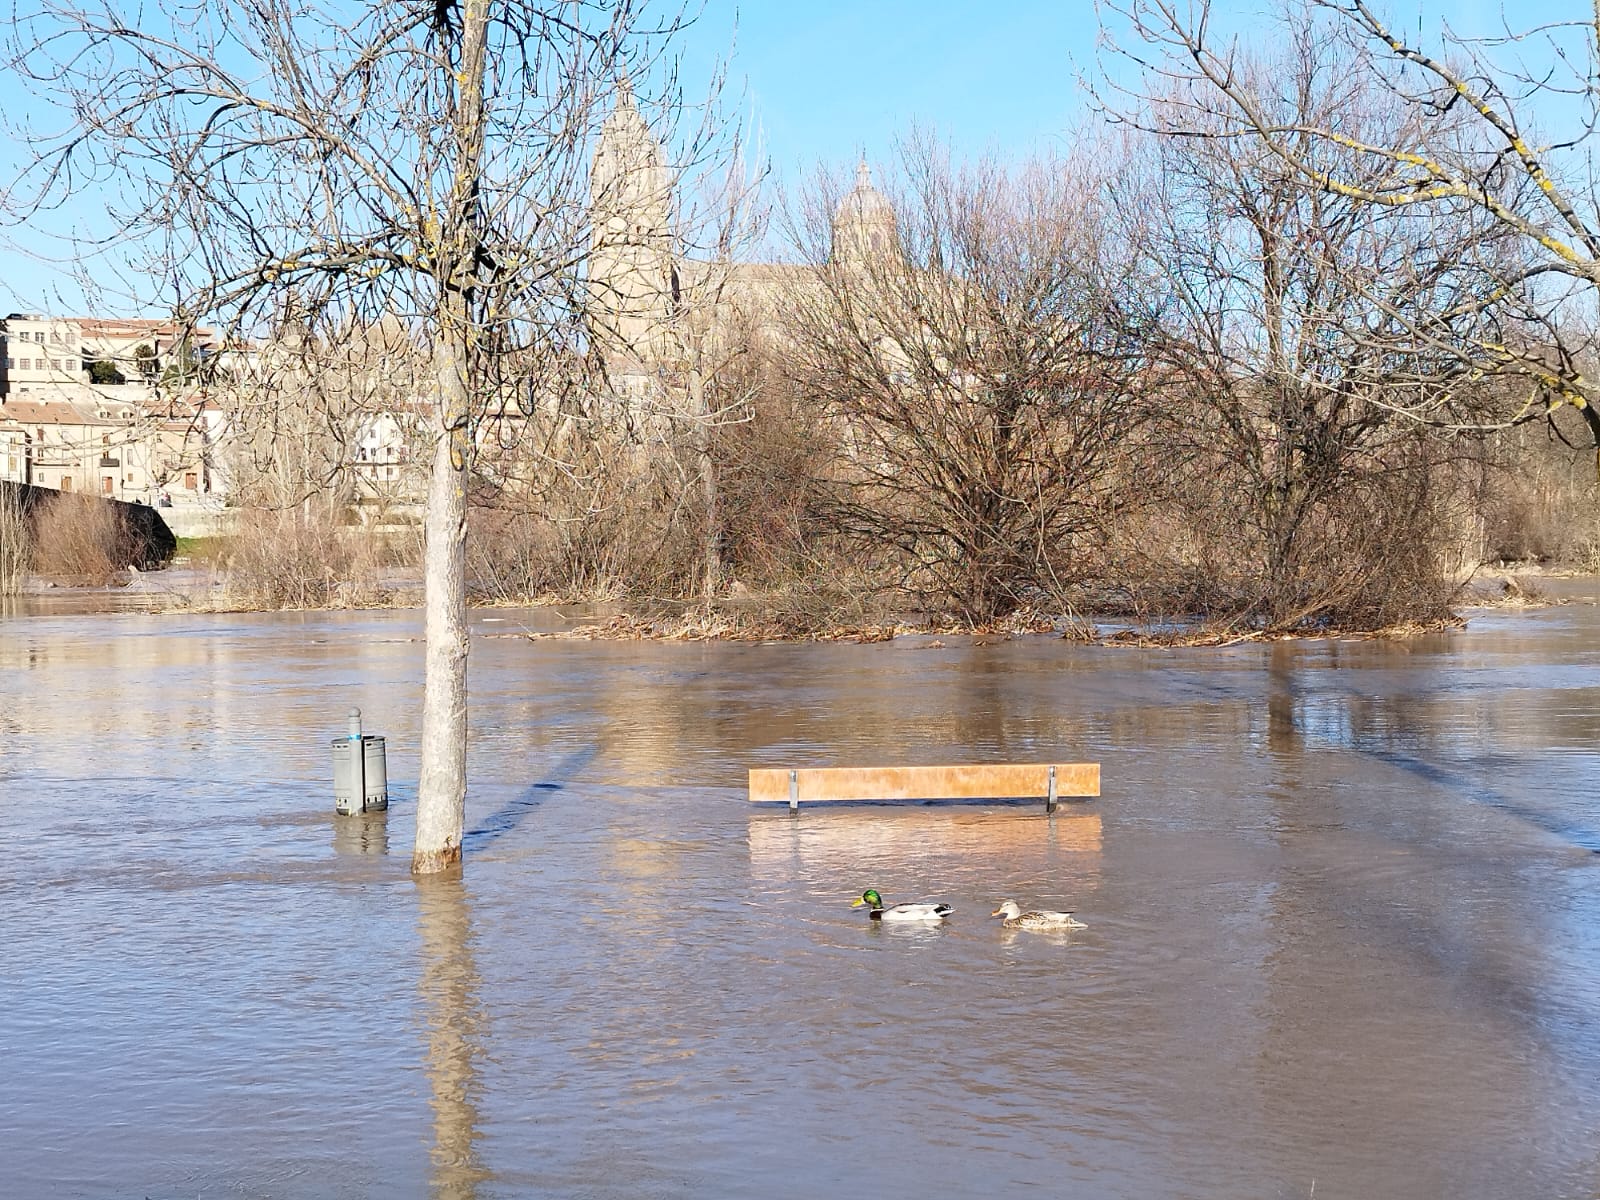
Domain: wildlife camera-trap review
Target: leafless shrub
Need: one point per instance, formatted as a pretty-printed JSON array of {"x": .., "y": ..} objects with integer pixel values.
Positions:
[
  {"x": 1380, "y": 550},
  {"x": 15, "y": 542},
  {"x": 303, "y": 558},
  {"x": 818, "y": 596},
  {"x": 1536, "y": 498},
  {"x": 774, "y": 467},
  {"x": 616, "y": 522},
  {"x": 80, "y": 539},
  {"x": 626, "y": 520}
]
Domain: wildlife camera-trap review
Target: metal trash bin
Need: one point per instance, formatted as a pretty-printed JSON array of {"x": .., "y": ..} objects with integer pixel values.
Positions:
[{"x": 359, "y": 785}]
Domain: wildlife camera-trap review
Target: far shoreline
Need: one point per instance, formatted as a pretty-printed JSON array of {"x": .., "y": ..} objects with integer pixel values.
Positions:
[{"x": 745, "y": 619}]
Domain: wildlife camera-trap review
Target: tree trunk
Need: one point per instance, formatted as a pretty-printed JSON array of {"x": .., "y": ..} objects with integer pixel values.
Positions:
[
  {"x": 442, "y": 788},
  {"x": 711, "y": 547}
]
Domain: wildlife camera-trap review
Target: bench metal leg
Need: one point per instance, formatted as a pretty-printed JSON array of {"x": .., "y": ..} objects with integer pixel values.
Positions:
[
  {"x": 1050, "y": 797},
  {"x": 794, "y": 792}
]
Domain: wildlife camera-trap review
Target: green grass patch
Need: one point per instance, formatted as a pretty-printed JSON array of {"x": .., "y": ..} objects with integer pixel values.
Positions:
[{"x": 202, "y": 549}]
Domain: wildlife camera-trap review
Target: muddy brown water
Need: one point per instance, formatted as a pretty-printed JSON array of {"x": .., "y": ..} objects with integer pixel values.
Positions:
[{"x": 1343, "y": 907}]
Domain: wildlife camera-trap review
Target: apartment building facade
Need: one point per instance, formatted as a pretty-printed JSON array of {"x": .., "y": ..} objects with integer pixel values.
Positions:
[{"x": 94, "y": 405}]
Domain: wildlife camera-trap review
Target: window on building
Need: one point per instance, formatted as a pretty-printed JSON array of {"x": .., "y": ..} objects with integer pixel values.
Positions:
[
  {"x": 66, "y": 483},
  {"x": 108, "y": 484},
  {"x": 190, "y": 480},
  {"x": 11, "y": 363}
]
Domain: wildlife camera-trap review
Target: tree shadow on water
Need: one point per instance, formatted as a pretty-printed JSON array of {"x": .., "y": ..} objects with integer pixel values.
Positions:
[
  {"x": 1575, "y": 832},
  {"x": 510, "y": 814},
  {"x": 1347, "y": 724}
]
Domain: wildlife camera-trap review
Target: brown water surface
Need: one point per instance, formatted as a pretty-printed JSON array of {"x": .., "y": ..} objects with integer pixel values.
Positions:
[{"x": 1343, "y": 904}]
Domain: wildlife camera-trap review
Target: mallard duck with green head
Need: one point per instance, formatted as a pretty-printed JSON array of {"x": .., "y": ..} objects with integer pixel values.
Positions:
[
  {"x": 1040, "y": 918},
  {"x": 927, "y": 911}
]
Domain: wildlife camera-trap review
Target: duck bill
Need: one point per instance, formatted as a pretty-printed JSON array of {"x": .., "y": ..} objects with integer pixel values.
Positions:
[{"x": 858, "y": 902}]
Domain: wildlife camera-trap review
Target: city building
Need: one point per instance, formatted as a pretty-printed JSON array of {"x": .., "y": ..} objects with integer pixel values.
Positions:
[{"x": 109, "y": 406}]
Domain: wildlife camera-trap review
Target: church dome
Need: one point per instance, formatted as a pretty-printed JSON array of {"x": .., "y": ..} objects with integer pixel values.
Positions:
[
  {"x": 863, "y": 202},
  {"x": 863, "y": 224}
]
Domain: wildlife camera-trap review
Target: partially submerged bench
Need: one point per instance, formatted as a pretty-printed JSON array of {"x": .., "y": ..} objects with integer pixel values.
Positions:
[{"x": 1012, "y": 781}]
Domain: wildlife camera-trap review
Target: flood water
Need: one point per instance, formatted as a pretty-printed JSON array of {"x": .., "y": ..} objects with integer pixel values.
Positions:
[{"x": 1343, "y": 908}]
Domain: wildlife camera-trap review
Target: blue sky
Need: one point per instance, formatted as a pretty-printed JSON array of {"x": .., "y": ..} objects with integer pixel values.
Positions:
[
  {"x": 827, "y": 76},
  {"x": 823, "y": 80}
]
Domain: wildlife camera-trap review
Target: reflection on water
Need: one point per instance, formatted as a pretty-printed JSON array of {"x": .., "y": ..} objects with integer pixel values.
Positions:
[
  {"x": 887, "y": 838},
  {"x": 448, "y": 987},
  {"x": 1342, "y": 907},
  {"x": 361, "y": 833}
]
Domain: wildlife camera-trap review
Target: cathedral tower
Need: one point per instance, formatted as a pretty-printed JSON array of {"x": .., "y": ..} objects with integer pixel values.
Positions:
[{"x": 632, "y": 280}]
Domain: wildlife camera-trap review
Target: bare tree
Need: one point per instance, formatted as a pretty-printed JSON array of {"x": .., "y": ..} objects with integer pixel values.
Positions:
[
  {"x": 665, "y": 308},
  {"x": 338, "y": 417},
  {"x": 1292, "y": 332},
  {"x": 968, "y": 344},
  {"x": 1471, "y": 141},
  {"x": 424, "y": 160},
  {"x": 711, "y": 334}
]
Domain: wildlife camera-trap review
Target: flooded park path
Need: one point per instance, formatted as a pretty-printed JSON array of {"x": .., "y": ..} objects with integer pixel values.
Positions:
[{"x": 1343, "y": 908}]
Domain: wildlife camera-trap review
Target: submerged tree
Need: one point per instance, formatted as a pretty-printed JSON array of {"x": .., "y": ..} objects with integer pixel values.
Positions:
[
  {"x": 419, "y": 160},
  {"x": 970, "y": 346},
  {"x": 1293, "y": 334}
]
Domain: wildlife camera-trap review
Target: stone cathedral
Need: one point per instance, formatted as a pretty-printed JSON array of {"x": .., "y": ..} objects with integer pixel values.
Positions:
[{"x": 647, "y": 300}]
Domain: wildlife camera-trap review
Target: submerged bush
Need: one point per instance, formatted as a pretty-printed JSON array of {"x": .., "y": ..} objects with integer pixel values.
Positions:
[
  {"x": 80, "y": 539},
  {"x": 304, "y": 558},
  {"x": 15, "y": 542}
]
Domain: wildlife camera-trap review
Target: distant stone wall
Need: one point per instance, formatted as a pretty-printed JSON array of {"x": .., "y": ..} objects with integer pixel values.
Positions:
[
  {"x": 198, "y": 522},
  {"x": 148, "y": 544}
]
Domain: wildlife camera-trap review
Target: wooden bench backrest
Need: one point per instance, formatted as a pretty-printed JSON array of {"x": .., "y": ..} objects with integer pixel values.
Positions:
[{"x": 974, "y": 782}]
